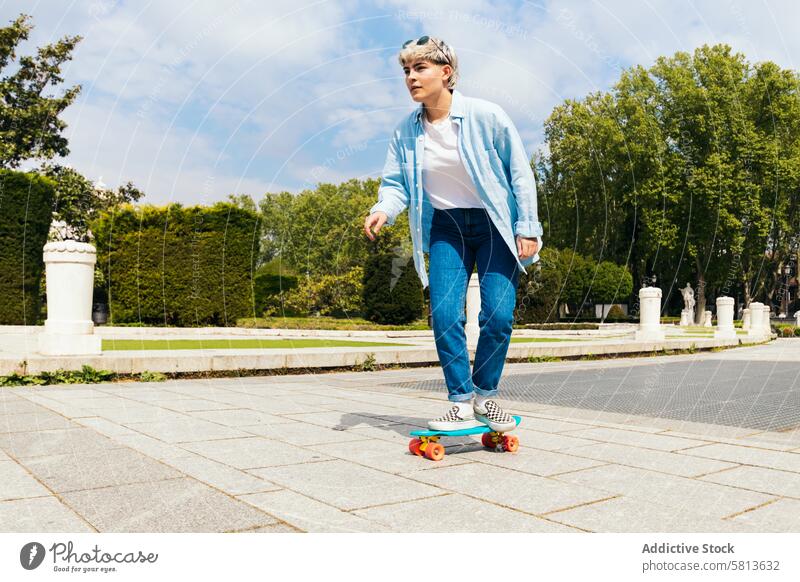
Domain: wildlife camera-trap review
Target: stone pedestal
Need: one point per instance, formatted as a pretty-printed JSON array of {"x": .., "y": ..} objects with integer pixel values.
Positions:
[
  {"x": 472, "y": 329},
  {"x": 69, "y": 271},
  {"x": 765, "y": 321},
  {"x": 756, "y": 330},
  {"x": 725, "y": 329},
  {"x": 746, "y": 319},
  {"x": 797, "y": 318},
  {"x": 650, "y": 315},
  {"x": 706, "y": 319},
  {"x": 687, "y": 317}
]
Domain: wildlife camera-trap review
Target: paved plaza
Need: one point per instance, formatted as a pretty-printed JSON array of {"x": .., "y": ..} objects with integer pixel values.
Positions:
[{"x": 706, "y": 442}]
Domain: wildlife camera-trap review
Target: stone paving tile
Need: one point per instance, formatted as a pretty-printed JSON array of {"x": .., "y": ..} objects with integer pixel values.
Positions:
[
  {"x": 59, "y": 441},
  {"x": 748, "y": 456},
  {"x": 231, "y": 481},
  {"x": 781, "y": 516},
  {"x": 759, "y": 479},
  {"x": 186, "y": 405},
  {"x": 71, "y": 393},
  {"x": 32, "y": 421},
  {"x": 340, "y": 421},
  {"x": 134, "y": 412},
  {"x": 624, "y": 515},
  {"x": 146, "y": 395},
  {"x": 686, "y": 495},
  {"x": 369, "y": 408},
  {"x": 548, "y": 441},
  {"x": 268, "y": 529},
  {"x": 393, "y": 458},
  {"x": 664, "y": 462},
  {"x": 456, "y": 513},
  {"x": 239, "y": 417},
  {"x": 175, "y": 505},
  {"x": 346, "y": 485},
  {"x": 697, "y": 429},
  {"x": 264, "y": 404},
  {"x": 152, "y": 447},
  {"x": 530, "y": 460},
  {"x": 782, "y": 441},
  {"x": 253, "y": 452},
  {"x": 72, "y": 472},
  {"x": 594, "y": 417},
  {"x": 398, "y": 433},
  {"x": 309, "y": 514},
  {"x": 19, "y": 405},
  {"x": 636, "y": 439},
  {"x": 17, "y": 483},
  {"x": 40, "y": 515},
  {"x": 744, "y": 442},
  {"x": 521, "y": 491},
  {"x": 98, "y": 403},
  {"x": 550, "y": 424},
  {"x": 105, "y": 426},
  {"x": 315, "y": 400},
  {"x": 185, "y": 430},
  {"x": 302, "y": 433},
  {"x": 56, "y": 407}
]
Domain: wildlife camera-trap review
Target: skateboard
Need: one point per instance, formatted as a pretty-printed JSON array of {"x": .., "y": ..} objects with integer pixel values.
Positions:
[{"x": 426, "y": 442}]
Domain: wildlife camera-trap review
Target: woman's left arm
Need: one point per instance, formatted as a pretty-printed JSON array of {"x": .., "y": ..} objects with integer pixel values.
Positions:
[{"x": 509, "y": 146}]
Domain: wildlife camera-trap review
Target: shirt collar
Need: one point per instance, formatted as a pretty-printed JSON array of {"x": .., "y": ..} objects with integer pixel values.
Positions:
[{"x": 456, "y": 107}]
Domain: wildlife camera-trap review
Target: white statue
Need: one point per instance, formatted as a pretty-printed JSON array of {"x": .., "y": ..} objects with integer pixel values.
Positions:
[{"x": 688, "y": 297}]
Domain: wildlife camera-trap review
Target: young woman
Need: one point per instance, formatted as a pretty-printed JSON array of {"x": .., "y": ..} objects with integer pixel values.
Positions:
[{"x": 458, "y": 164}]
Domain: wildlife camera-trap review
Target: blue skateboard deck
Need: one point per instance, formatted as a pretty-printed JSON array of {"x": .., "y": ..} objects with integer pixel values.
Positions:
[
  {"x": 463, "y": 432},
  {"x": 425, "y": 442}
]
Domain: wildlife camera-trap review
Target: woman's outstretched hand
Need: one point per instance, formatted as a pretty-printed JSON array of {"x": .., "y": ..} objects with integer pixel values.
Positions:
[
  {"x": 375, "y": 220},
  {"x": 527, "y": 247}
]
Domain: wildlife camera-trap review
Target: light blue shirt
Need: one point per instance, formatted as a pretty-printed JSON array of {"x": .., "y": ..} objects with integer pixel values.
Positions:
[{"x": 495, "y": 159}]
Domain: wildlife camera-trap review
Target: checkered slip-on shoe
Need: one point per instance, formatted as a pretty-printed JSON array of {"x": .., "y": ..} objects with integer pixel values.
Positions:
[
  {"x": 494, "y": 417},
  {"x": 452, "y": 420}
]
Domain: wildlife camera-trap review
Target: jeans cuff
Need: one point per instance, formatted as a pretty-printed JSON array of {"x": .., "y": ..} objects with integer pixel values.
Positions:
[
  {"x": 460, "y": 397},
  {"x": 486, "y": 393}
]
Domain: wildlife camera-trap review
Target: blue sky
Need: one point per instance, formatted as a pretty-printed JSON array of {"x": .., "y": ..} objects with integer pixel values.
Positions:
[{"x": 193, "y": 100}]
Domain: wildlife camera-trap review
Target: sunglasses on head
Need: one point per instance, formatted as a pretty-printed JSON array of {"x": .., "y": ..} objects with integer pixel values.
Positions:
[{"x": 424, "y": 40}]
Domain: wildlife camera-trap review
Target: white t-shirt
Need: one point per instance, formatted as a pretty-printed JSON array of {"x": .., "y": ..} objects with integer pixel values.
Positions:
[{"x": 444, "y": 179}]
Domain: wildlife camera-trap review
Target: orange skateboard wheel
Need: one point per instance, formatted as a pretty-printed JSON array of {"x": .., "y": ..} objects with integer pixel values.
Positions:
[
  {"x": 434, "y": 451},
  {"x": 488, "y": 441},
  {"x": 413, "y": 446},
  {"x": 511, "y": 443}
]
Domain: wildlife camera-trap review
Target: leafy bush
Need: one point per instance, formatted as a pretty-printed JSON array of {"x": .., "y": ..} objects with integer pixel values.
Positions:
[
  {"x": 615, "y": 313},
  {"x": 86, "y": 375},
  {"x": 337, "y": 295},
  {"x": 26, "y": 203}
]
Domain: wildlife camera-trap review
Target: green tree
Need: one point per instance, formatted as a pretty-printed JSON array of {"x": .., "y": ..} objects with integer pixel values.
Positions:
[
  {"x": 687, "y": 170},
  {"x": 29, "y": 123},
  {"x": 78, "y": 201}
]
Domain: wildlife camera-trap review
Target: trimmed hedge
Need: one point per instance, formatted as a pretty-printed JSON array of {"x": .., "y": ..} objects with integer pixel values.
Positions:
[
  {"x": 178, "y": 266},
  {"x": 26, "y": 208}
]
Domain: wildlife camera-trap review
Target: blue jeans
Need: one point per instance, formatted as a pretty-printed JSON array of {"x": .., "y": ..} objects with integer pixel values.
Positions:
[{"x": 460, "y": 237}]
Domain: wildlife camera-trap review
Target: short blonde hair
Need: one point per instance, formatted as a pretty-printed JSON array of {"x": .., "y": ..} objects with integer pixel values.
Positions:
[{"x": 433, "y": 53}]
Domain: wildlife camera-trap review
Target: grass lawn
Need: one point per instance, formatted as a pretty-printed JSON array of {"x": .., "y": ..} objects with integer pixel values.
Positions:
[
  {"x": 233, "y": 344},
  {"x": 544, "y": 339},
  {"x": 324, "y": 322}
]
